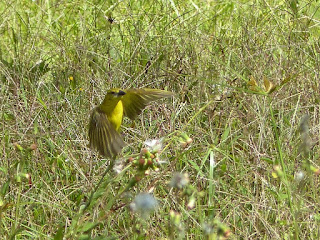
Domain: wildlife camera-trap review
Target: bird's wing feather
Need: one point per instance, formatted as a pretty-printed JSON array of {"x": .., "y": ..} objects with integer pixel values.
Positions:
[
  {"x": 135, "y": 100},
  {"x": 103, "y": 136}
]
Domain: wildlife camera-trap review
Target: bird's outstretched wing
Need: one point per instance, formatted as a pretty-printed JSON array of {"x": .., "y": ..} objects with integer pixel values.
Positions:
[
  {"x": 103, "y": 136},
  {"x": 135, "y": 100}
]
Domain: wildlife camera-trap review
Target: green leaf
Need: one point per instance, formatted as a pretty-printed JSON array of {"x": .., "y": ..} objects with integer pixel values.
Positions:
[
  {"x": 268, "y": 160},
  {"x": 88, "y": 226},
  {"x": 225, "y": 134},
  {"x": 59, "y": 234},
  {"x": 84, "y": 237},
  {"x": 42, "y": 102}
]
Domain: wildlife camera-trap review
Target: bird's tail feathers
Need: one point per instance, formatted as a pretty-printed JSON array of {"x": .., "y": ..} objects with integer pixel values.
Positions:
[{"x": 102, "y": 135}]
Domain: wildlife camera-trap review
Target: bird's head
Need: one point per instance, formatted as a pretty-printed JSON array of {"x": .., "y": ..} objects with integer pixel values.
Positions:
[{"x": 114, "y": 93}]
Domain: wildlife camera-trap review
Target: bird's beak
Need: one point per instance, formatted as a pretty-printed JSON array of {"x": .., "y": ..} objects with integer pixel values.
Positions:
[{"x": 121, "y": 93}]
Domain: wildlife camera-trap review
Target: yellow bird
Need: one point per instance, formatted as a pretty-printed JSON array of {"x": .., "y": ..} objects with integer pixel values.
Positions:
[{"x": 106, "y": 119}]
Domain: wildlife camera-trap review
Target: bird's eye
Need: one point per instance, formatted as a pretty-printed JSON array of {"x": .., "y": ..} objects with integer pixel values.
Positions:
[{"x": 112, "y": 92}]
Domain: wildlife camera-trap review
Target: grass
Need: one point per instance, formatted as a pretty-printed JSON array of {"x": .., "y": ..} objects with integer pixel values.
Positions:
[{"x": 252, "y": 169}]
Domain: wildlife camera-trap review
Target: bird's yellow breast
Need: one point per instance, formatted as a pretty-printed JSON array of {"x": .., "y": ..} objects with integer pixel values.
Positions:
[{"x": 115, "y": 117}]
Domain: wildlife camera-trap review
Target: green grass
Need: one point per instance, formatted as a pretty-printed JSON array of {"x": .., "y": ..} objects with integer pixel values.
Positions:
[{"x": 253, "y": 174}]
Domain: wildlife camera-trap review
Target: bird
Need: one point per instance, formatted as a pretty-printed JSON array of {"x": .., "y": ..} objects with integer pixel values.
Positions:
[{"x": 106, "y": 119}]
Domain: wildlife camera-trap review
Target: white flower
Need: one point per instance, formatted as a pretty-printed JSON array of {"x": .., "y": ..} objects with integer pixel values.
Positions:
[
  {"x": 144, "y": 204},
  {"x": 299, "y": 176},
  {"x": 179, "y": 180},
  {"x": 154, "y": 145}
]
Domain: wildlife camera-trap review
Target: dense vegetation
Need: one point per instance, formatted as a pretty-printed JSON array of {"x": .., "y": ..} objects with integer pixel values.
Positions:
[{"x": 246, "y": 78}]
